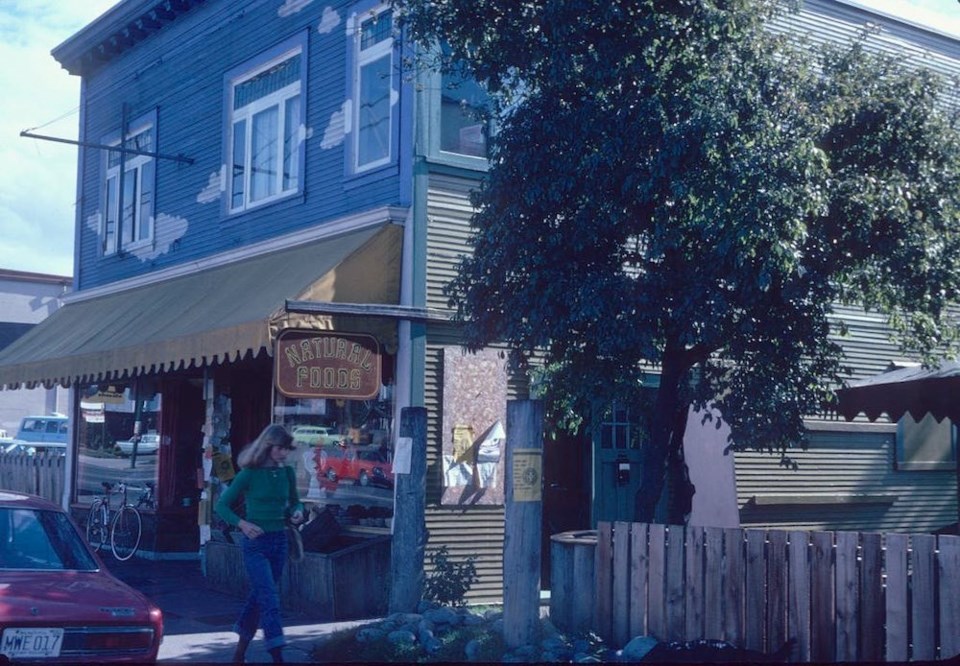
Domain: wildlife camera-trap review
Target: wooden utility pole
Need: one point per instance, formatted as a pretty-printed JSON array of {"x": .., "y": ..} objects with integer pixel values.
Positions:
[
  {"x": 522, "y": 523},
  {"x": 409, "y": 511}
]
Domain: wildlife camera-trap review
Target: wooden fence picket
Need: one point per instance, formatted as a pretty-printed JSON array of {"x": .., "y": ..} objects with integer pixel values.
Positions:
[
  {"x": 922, "y": 601},
  {"x": 897, "y": 602},
  {"x": 842, "y": 596},
  {"x": 40, "y": 474},
  {"x": 713, "y": 583},
  {"x": 847, "y": 592},
  {"x": 799, "y": 572},
  {"x": 871, "y": 598},
  {"x": 777, "y": 590},
  {"x": 755, "y": 593},
  {"x": 948, "y": 565},
  {"x": 694, "y": 573},
  {"x": 639, "y": 568},
  {"x": 620, "y": 600}
]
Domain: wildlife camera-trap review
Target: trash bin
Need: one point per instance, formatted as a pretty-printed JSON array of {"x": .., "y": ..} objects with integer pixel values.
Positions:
[{"x": 573, "y": 579}]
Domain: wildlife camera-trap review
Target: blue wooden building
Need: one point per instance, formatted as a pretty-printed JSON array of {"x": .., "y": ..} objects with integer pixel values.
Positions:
[{"x": 271, "y": 199}]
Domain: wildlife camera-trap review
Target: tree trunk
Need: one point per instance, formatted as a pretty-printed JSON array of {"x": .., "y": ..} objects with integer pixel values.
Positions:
[{"x": 666, "y": 494}]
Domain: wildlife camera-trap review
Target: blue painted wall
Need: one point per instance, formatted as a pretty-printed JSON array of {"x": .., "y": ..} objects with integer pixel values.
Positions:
[{"x": 179, "y": 73}]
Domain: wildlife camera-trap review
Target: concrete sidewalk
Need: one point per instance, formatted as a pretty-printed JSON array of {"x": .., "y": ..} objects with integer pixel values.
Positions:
[{"x": 198, "y": 618}]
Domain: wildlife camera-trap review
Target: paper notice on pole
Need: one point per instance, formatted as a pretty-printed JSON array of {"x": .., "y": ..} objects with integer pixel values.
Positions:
[
  {"x": 402, "y": 454},
  {"x": 527, "y": 475}
]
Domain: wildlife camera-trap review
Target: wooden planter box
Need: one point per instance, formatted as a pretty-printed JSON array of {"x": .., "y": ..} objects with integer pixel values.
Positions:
[
  {"x": 572, "y": 578},
  {"x": 347, "y": 583}
]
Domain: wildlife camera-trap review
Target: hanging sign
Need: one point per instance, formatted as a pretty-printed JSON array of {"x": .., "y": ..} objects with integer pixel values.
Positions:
[{"x": 317, "y": 364}]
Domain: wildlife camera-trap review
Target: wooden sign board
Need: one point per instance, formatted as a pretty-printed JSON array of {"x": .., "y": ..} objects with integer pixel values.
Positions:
[{"x": 319, "y": 364}]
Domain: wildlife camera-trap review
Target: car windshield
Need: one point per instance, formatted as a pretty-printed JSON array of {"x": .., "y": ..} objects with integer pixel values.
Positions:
[{"x": 34, "y": 539}]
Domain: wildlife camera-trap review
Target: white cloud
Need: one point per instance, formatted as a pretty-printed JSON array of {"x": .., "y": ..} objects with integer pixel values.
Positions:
[
  {"x": 214, "y": 187},
  {"x": 292, "y": 7},
  {"x": 328, "y": 21},
  {"x": 336, "y": 127}
]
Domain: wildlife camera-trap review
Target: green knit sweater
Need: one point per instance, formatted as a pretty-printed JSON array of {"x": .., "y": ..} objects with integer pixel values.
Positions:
[{"x": 269, "y": 493}]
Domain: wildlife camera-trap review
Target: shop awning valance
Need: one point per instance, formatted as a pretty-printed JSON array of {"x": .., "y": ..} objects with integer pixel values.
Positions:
[
  {"x": 214, "y": 315},
  {"x": 916, "y": 390}
]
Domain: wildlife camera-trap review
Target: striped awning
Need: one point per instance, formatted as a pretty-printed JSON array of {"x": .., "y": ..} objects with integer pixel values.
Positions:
[{"x": 215, "y": 315}]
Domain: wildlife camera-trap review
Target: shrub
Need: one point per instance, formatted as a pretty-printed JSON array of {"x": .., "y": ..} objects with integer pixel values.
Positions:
[{"x": 449, "y": 581}]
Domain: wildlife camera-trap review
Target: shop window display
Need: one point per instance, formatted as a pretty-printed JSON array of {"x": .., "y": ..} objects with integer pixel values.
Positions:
[
  {"x": 119, "y": 438},
  {"x": 344, "y": 458}
]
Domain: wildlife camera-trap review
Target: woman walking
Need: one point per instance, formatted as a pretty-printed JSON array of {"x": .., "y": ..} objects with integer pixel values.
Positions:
[{"x": 268, "y": 489}]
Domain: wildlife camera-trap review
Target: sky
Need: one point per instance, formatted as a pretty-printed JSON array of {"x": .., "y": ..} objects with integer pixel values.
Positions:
[{"x": 38, "y": 178}]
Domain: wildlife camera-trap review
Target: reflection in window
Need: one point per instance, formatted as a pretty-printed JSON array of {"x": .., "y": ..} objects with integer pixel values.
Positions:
[
  {"x": 112, "y": 447},
  {"x": 463, "y": 109},
  {"x": 344, "y": 457},
  {"x": 373, "y": 84}
]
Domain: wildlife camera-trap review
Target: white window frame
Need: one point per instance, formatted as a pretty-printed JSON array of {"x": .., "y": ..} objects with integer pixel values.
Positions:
[
  {"x": 286, "y": 140},
  {"x": 363, "y": 58},
  {"x": 124, "y": 231}
]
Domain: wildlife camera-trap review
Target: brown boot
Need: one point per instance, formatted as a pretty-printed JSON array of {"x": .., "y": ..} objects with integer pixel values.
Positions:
[
  {"x": 276, "y": 654},
  {"x": 240, "y": 653}
]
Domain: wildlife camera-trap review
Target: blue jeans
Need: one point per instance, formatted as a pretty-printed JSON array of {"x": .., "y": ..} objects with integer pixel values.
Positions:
[{"x": 263, "y": 558}]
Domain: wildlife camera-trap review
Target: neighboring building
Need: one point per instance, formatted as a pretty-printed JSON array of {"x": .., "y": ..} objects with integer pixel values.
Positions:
[
  {"x": 270, "y": 207},
  {"x": 26, "y": 299}
]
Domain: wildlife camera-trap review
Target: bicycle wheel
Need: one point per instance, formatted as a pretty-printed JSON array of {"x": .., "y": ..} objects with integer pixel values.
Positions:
[
  {"x": 96, "y": 530},
  {"x": 125, "y": 533}
]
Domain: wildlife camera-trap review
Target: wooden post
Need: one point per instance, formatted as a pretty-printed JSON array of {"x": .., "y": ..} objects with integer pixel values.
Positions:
[
  {"x": 522, "y": 522},
  {"x": 409, "y": 510}
]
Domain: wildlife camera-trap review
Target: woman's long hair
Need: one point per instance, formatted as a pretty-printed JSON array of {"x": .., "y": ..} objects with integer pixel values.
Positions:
[{"x": 256, "y": 452}]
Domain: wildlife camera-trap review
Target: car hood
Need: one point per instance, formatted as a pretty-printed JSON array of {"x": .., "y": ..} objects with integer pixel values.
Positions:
[{"x": 69, "y": 596}]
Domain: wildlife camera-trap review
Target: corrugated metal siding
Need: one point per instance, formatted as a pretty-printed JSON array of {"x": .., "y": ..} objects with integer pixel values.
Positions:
[
  {"x": 180, "y": 72},
  {"x": 828, "y": 21},
  {"x": 449, "y": 212},
  {"x": 843, "y": 481}
]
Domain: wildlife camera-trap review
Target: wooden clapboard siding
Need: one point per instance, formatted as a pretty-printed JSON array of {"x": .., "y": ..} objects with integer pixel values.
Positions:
[
  {"x": 449, "y": 212},
  {"x": 823, "y": 589},
  {"x": 844, "y": 480}
]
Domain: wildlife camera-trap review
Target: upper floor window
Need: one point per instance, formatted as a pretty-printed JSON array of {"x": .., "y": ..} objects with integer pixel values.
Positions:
[
  {"x": 265, "y": 117},
  {"x": 464, "y": 122},
  {"x": 128, "y": 196},
  {"x": 372, "y": 89}
]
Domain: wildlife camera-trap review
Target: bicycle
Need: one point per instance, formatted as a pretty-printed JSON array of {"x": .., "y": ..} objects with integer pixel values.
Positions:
[{"x": 125, "y": 525}]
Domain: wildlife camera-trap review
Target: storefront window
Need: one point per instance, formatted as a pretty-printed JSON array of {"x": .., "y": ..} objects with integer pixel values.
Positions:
[
  {"x": 119, "y": 438},
  {"x": 344, "y": 458}
]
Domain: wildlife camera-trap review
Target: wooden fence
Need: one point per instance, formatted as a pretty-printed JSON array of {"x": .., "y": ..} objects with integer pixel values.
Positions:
[
  {"x": 843, "y": 596},
  {"x": 41, "y": 474}
]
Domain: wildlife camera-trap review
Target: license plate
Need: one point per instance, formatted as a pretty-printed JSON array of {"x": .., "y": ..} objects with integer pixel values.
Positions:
[{"x": 28, "y": 643}]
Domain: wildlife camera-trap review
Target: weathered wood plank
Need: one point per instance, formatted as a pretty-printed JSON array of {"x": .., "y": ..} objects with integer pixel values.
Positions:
[
  {"x": 693, "y": 597},
  {"x": 777, "y": 589},
  {"x": 799, "y": 594},
  {"x": 734, "y": 574},
  {"x": 897, "y": 602},
  {"x": 871, "y": 598},
  {"x": 822, "y": 634},
  {"x": 922, "y": 601},
  {"x": 657, "y": 610},
  {"x": 604, "y": 580},
  {"x": 847, "y": 590},
  {"x": 584, "y": 595},
  {"x": 948, "y": 565},
  {"x": 675, "y": 582},
  {"x": 620, "y": 622},
  {"x": 639, "y": 568},
  {"x": 756, "y": 593},
  {"x": 713, "y": 583}
]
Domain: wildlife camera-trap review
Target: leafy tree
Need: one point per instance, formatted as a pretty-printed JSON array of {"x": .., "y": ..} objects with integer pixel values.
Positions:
[{"x": 676, "y": 186}]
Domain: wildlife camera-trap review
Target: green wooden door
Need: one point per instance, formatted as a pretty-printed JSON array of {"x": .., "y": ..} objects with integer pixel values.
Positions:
[{"x": 617, "y": 436}]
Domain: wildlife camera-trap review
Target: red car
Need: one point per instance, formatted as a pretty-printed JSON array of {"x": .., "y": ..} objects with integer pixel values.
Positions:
[
  {"x": 58, "y": 604},
  {"x": 364, "y": 465}
]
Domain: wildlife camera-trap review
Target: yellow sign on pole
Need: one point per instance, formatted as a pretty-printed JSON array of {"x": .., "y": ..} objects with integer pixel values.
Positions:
[{"x": 527, "y": 475}]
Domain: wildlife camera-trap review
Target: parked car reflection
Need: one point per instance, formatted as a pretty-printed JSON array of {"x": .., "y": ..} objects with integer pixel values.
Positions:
[
  {"x": 58, "y": 604},
  {"x": 149, "y": 444},
  {"x": 365, "y": 465}
]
